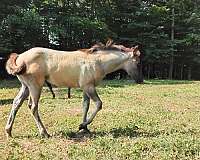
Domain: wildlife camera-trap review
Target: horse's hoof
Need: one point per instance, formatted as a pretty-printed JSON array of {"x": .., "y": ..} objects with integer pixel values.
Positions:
[
  {"x": 84, "y": 128},
  {"x": 8, "y": 133},
  {"x": 45, "y": 135},
  {"x": 8, "y": 136}
]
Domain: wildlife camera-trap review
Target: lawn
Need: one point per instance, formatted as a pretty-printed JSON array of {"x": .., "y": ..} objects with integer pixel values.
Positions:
[{"x": 156, "y": 120}]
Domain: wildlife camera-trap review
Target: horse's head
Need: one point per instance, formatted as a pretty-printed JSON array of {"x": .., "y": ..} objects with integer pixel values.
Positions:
[{"x": 132, "y": 66}]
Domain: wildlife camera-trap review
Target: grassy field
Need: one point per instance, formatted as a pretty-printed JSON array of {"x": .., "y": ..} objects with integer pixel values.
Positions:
[{"x": 155, "y": 120}]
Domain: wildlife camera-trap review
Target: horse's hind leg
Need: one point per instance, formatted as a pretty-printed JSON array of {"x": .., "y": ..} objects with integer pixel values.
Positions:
[
  {"x": 33, "y": 105},
  {"x": 69, "y": 93},
  {"x": 35, "y": 92},
  {"x": 91, "y": 93},
  {"x": 22, "y": 95},
  {"x": 50, "y": 88}
]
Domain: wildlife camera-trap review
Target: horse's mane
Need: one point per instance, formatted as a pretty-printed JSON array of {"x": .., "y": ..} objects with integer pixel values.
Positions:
[{"x": 108, "y": 46}]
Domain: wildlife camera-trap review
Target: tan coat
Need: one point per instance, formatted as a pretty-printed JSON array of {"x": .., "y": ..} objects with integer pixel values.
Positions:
[{"x": 72, "y": 69}]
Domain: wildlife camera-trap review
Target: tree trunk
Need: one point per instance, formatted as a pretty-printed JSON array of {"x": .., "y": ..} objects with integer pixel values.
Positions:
[
  {"x": 171, "y": 63},
  {"x": 181, "y": 72},
  {"x": 149, "y": 71},
  {"x": 175, "y": 71},
  {"x": 189, "y": 72}
]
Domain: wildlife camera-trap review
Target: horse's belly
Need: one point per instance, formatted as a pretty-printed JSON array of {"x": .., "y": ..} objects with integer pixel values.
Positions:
[{"x": 64, "y": 80}]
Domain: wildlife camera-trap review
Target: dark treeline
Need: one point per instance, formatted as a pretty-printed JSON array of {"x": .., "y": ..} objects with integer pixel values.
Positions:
[{"x": 167, "y": 31}]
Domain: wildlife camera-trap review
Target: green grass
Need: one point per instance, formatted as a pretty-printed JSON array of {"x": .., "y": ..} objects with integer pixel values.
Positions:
[{"x": 156, "y": 120}]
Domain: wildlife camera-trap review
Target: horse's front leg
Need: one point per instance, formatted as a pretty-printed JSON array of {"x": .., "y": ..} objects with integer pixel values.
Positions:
[
  {"x": 91, "y": 93},
  {"x": 17, "y": 102},
  {"x": 86, "y": 103}
]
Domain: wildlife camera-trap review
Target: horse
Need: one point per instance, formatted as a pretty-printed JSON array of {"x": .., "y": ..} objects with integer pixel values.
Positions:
[
  {"x": 83, "y": 69},
  {"x": 131, "y": 69}
]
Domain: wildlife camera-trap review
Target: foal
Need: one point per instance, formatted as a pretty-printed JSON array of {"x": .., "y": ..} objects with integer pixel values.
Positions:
[{"x": 83, "y": 69}]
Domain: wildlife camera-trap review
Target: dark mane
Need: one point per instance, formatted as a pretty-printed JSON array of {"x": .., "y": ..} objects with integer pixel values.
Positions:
[{"x": 102, "y": 47}]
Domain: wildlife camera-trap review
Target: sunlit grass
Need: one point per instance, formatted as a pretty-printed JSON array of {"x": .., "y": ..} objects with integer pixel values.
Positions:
[{"x": 155, "y": 120}]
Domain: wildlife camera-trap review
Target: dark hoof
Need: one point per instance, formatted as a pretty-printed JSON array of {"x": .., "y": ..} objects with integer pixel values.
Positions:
[
  {"x": 84, "y": 128},
  {"x": 8, "y": 133}
]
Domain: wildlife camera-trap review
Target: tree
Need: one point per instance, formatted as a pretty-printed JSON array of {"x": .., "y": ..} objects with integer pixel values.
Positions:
[{"x": 169, "y": 51}]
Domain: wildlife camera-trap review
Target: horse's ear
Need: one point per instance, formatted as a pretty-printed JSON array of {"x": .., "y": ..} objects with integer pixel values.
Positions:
[
  {"x": 136, "y": 51},
  {"x": 135, "y": 48},
  {"x": 109, "y": 42}
]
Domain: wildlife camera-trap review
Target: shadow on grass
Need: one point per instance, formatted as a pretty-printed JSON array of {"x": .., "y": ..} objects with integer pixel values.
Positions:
[
  {"x": 6, "y": 101},
  {"x": 28, "y": 136},
  {"x": 74, "y": 136},
  {"x": 128, "y": 131}
]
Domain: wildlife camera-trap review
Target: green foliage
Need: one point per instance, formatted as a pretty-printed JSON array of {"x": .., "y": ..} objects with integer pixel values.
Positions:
[
  {"x": 83, "y": 31},
  {"x": 73, "y": 24},
  {"x": 22, "y": 30}
]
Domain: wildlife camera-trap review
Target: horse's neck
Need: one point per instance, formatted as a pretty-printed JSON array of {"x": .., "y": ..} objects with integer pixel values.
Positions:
[{"x": 113, "y": 62}]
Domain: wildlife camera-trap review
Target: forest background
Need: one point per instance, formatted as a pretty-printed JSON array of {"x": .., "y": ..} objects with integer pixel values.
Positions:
[{"x": 167, "y": 31}]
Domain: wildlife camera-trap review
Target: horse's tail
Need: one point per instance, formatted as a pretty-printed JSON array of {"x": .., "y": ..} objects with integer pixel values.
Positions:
[{"x": 12, "y": 67}]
